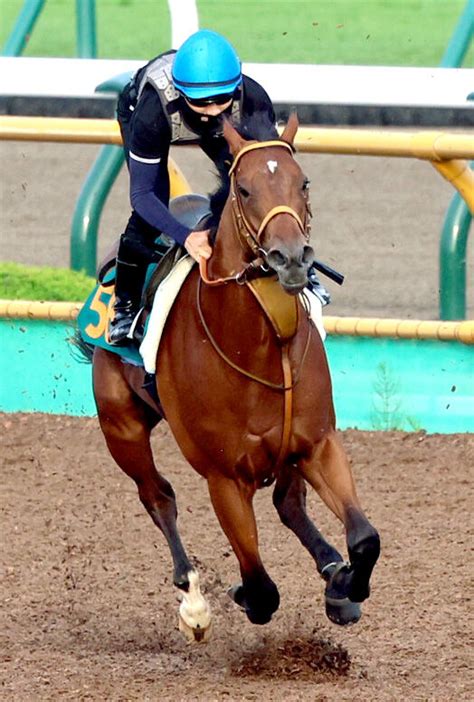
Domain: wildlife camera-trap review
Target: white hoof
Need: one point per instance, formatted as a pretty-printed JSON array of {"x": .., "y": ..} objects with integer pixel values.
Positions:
[{"x": 194, "y": 612}]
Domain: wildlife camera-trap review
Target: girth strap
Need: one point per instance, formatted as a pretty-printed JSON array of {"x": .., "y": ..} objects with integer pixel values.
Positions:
[{"x": 287, "y": 409}]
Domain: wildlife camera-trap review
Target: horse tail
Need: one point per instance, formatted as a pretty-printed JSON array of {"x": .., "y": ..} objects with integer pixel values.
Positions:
[{"x": 80, "y": 349}]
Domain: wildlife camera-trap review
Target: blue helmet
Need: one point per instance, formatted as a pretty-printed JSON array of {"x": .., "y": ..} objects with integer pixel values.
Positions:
[{"x": 206, "y": 65}]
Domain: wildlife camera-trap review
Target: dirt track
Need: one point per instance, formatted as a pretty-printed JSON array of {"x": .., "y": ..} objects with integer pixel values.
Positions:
[{"x": 90, "y": 612}]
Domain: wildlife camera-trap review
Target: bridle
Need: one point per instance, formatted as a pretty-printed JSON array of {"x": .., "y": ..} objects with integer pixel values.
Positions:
[{"x": 249, "y": 236}]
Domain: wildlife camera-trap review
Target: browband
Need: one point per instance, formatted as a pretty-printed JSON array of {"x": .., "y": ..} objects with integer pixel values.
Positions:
[{"x": 258, "y": 145}]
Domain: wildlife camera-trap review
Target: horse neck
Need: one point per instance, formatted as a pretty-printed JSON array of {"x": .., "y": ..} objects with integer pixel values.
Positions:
[{"x": 229, "y": 256}]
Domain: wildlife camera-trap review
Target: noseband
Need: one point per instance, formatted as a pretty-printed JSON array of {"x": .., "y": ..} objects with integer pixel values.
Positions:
[{"x": 248, "y": 235}]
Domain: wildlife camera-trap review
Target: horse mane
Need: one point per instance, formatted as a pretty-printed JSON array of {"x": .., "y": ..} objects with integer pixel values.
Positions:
[{"x": 255, "y": 127}]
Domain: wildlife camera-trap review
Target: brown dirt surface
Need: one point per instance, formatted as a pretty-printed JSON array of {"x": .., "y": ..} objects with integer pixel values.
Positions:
[{"x": 90, "y": 613}]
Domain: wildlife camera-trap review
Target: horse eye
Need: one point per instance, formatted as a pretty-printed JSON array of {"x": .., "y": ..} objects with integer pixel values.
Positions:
[
  {"x": 243, "y": 191},
  {"x": 306, "y": 184}
]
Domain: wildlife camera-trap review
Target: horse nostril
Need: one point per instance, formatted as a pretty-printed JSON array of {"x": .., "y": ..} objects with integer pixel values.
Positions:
[
  {"x": 308, "y": 255},
  {"x": 276, "y": 259}
]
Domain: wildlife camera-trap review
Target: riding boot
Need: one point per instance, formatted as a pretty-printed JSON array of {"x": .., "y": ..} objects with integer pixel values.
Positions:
[
  {"x": 317, "y": 288},
  {"x": 129, "y": 279}
]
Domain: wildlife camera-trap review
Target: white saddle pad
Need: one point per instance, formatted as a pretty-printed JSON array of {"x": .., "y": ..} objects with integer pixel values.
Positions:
[
  {"x": 163, "y": 302},
  {"x": 316, "y": 312}
]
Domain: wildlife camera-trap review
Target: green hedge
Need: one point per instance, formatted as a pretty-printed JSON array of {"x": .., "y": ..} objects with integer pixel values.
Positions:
[{"x": 18, "y": 282}]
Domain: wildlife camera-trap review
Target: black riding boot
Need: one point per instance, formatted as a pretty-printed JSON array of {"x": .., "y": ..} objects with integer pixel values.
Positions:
[{"x": 129, "y": 279}]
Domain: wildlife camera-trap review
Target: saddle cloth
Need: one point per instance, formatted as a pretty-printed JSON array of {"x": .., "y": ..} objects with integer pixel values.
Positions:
[{"x": 93, "y": 317}]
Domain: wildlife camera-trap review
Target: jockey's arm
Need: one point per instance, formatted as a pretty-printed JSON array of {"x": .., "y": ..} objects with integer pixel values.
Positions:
[
  {"x": 143, "y": 182},
  {"x": 146, "y": 179},
  {"x": 149, "y": 178}
]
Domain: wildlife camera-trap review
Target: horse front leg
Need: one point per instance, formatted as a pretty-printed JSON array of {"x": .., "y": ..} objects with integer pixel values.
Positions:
[
  {"x": 126, "y": 424},
  {"x": 289, "y": 498},
  {"x": 232, "y": 500},
  {"x": 329, "y": 473}
]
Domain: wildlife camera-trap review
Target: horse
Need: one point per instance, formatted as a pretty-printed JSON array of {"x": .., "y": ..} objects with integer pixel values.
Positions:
[{"x": 248, "y": 404}]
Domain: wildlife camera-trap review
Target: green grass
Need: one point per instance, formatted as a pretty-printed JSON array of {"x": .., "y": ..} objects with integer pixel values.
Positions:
[
  {"x": 18, "y": 282},
  {"x": 374, "y": 32}
]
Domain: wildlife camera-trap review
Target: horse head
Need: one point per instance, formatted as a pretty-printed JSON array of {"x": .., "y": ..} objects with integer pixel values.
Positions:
[{"x": 269, "y": 199}]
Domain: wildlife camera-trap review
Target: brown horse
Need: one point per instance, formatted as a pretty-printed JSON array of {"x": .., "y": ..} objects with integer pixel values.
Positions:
[{"x": 247, "y": 405}]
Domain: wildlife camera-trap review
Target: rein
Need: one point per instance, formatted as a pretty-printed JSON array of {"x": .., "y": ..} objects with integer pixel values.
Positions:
[
  {"x": 249, "y": 238},
  {"x": 267, "y": 383}
]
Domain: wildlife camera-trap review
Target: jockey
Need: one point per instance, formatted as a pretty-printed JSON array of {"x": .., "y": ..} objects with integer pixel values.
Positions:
[{"x": 177, "y": 98}]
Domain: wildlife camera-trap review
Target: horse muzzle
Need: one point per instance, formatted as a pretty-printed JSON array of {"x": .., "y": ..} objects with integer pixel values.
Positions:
[{"x": 291, "y": 267}]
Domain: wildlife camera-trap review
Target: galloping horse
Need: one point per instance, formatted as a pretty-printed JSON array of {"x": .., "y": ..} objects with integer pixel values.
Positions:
[{"x": 247, "y": 404}]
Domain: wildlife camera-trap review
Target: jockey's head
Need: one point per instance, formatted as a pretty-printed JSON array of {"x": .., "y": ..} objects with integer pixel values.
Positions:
[{"x": 207, "y": 72}]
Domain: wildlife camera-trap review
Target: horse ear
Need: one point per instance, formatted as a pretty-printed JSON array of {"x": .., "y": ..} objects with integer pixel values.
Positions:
[
  {"x": 291, "y": 128},
  {"x": 233, "y": 138}
]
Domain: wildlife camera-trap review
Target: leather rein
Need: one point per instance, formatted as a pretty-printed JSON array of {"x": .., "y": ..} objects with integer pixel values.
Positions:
[{"x": 250, "y": 238}]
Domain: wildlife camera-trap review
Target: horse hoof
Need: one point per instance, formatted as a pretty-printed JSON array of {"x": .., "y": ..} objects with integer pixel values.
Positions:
[
  {"x": 363, "y": 559},
  {"x": 194, "y": 611},
  {"x": 256, "y": 615},
  {"x": 195, "y": 634},
  {"x": 342, "y": 611}
]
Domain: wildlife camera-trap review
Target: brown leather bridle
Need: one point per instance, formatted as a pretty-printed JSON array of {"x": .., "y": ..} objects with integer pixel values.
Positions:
[{"x": 249, "y": 236}]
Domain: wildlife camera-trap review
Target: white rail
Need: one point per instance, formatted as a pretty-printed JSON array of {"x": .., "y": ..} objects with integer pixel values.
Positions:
[{"x": 285, "y": 83}]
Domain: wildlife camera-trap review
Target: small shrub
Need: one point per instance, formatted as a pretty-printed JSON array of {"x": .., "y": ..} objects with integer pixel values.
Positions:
[{"x": 19, "y": 282}]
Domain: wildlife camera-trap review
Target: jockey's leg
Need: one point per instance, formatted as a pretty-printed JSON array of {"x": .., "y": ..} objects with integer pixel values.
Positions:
[
  {"x": 232, "y": 501},
  {"x": 136, "y": 251},
  {"x": 129, "y": 279}
]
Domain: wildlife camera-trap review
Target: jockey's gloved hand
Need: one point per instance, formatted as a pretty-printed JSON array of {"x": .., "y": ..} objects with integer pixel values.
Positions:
[{"x": 197, "y": 244}]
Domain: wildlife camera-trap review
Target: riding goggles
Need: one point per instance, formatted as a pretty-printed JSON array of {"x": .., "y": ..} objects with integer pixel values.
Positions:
[{"x": 213, "y": 100}]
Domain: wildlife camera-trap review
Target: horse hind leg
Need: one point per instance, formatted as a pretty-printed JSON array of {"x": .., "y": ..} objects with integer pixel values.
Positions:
[
  {"x": 329, "y": 473},
  {"x": 126, "y": 424},
  {"x": 232, "y": 500}
]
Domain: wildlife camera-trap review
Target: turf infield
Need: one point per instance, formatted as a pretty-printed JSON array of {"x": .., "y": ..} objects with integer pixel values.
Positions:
[{"x": 368, "y": 32}]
